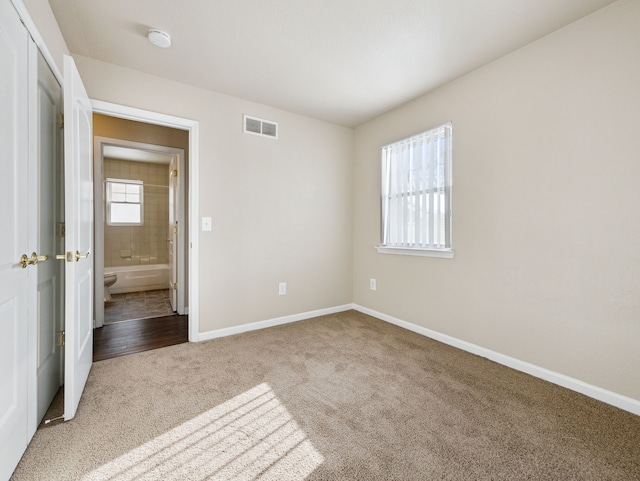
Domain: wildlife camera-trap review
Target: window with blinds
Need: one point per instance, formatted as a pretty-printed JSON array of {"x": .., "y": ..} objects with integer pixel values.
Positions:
[
  {"x": 416, "y": 192},
  {"x": 124, "y": 202}
]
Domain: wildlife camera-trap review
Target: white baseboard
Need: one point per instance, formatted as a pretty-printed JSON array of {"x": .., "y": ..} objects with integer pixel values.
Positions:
[
  {"x": 623, "y": 402},
  {"x": 230, "y": 331}
]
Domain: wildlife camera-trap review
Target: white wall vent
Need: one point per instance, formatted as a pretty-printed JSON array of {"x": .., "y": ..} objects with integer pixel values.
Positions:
[{"x": 265, "y": 128}]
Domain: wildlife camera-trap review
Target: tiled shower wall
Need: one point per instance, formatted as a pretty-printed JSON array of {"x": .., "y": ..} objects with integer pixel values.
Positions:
[{"x": 145, "y": 244}]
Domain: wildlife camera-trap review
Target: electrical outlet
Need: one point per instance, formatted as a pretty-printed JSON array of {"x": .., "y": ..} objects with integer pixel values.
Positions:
[
  {"x": 282, "y": 289},
  {"x": 372, "y": 284}
]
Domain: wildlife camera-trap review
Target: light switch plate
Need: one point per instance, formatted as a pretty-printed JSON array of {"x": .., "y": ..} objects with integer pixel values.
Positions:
[{"x": 206, "y": 224}]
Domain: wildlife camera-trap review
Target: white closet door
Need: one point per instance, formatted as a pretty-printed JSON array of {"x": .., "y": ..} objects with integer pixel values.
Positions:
[
  {"x": 51, "y": 271},
  {"x": 14, "y": 213}
]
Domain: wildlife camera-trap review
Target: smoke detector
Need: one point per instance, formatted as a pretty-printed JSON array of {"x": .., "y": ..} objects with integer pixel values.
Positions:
[{"x": 159, "y": 38}]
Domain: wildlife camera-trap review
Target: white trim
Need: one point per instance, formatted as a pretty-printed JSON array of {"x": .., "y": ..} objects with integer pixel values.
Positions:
[
  {"x": 193, "y": 237},
  {"x": 407, "y": 251},
  {"x": 230, "y": 331},
  {"x": 146, "y": 116},
  {"x": 618, "y": 400},
  {"x": 140, "y": 115}
]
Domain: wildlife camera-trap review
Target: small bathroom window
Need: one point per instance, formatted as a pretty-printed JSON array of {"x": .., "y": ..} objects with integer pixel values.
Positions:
[{"x": 125, "y": 201}]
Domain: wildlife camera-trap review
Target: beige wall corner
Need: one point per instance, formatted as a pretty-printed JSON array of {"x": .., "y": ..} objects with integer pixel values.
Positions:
[{"x": 545, "y": 206}]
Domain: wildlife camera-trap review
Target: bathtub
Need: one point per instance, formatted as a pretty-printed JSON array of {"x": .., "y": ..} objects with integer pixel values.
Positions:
[{"x": 140, "y": 278}]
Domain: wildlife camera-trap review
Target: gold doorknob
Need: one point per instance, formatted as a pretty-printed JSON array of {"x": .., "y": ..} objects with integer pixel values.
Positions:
[
  {"x": 81, "y": 256},
  {"x": 31, "y": 261},
  {"x": 35, "y": 258}
]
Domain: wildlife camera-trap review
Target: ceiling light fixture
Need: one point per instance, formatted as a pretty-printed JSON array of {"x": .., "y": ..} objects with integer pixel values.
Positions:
[{"x": 159, "y": 38}]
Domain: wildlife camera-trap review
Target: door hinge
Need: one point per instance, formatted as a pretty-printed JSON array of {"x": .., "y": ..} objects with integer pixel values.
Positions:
[
  {"x": 61, "y": 121},
  {"x": 62, "y": 229},
  {"x": 175, "y": 230},
  {"x": 175, "y": 286},
  {"x": 60, "y": 340}
]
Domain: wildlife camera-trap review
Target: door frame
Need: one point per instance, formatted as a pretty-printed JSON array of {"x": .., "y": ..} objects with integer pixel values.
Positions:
[
  {"x": 192, "y": 241},
  {"x": 99, "y": 194}
]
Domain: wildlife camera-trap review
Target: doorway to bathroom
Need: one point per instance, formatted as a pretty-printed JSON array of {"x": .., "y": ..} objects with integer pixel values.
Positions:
[{"x": 140, "y": 243}]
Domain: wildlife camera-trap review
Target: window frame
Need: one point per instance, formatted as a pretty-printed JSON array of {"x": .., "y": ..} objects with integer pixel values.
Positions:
[
  {"x": 388, "y": 216},
  {"x": 109, "y": 202}
]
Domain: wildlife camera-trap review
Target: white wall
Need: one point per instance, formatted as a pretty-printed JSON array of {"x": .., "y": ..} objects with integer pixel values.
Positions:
[
  {"x": 281, "y": 208},
  {"x": 546, "y": 206}
]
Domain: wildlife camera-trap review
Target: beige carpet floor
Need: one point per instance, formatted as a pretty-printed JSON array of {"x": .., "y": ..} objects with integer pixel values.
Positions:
[{"x": 340, "y": 397}]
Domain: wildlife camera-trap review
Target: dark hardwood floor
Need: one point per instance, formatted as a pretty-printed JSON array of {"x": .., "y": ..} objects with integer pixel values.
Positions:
[{"x": 128, "y": 337}]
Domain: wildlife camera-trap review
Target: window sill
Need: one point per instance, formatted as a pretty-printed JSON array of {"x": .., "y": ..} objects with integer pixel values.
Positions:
[{"x": 403, "y": 251}]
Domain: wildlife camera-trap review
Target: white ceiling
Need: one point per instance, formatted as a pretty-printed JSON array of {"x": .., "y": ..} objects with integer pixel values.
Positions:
[{"x": 345, "y": 61}]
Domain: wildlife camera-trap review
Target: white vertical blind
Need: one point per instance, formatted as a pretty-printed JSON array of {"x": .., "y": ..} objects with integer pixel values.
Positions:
[{"x": 416, "y": 191}]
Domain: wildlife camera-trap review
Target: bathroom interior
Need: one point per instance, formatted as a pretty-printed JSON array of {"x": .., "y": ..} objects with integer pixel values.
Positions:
[
  {"x": 136, "y": 253},
  {"x": 141, "y": 260}
]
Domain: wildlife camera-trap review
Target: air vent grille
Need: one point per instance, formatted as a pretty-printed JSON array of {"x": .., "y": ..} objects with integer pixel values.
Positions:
[{"x": 264, "y": 128}]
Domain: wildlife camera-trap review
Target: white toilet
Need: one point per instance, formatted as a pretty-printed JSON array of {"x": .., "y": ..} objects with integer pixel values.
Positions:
[{"x": 110, "y": 279}]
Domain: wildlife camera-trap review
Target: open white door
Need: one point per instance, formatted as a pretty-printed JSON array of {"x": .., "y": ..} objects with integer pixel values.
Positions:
[
  {"x": 14, "y": 241},
  {"x": 79, "y": 237},
  {"x": 172, "y": 238}
]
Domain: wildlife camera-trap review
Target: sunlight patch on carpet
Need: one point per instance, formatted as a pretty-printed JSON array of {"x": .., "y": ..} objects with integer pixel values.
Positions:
[{"x": 249, "y": 437}]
